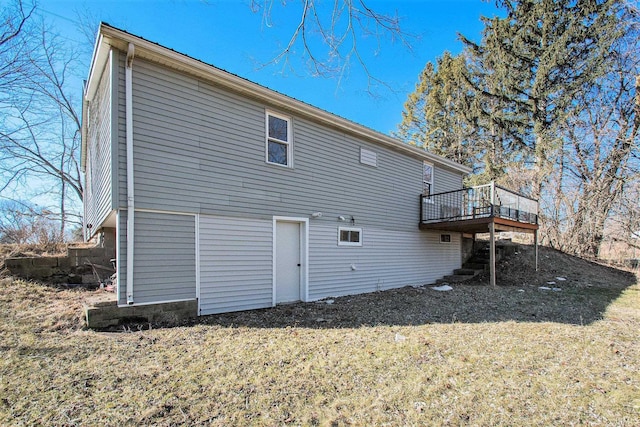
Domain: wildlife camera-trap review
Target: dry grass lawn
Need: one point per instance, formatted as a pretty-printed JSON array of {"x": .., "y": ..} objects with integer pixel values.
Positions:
[{"x": 359, "y": 361}]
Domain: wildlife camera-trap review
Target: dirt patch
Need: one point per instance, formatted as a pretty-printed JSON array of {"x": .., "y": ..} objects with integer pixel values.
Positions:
[
  {"x": 581, "y": 298},
  {"x": 523, "y": 295}
]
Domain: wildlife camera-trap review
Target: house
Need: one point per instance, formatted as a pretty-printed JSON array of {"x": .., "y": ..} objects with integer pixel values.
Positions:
[{"x": 225, "y": 195}]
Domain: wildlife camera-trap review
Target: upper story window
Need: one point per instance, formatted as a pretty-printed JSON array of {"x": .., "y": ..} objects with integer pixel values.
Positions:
[
  {"x": 427, "y": 179},
  {"x": 278, "y": 145}
]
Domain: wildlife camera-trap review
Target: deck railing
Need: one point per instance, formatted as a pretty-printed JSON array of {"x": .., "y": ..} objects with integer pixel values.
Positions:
[{"x": 484, "y": 201}]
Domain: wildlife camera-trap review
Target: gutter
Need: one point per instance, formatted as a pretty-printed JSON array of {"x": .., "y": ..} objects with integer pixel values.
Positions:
[{"x": 129, "y": 141}]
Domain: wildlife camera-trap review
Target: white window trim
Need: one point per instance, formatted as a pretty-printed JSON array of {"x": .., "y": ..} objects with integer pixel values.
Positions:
[
  {"x": 288, "y": 143},
  {"x": 358, "y": 229},
  {"x": 428, "y": 199},
  {"x": 443, "y": 242}
]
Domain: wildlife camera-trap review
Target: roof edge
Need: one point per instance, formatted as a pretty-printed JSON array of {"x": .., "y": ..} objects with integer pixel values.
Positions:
[{"x": 113, "y": 37}]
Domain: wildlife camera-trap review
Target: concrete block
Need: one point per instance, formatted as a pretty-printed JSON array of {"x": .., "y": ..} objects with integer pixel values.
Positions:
[
  {"x": 58, "y": 278},
  {"x": 40, "y": 272},
  {"x": 45, "y": 262},
  {"x": 109, "y": 315},
  {"x": 95, "y": 253},
  {"x": 74, "y": 279},
  {"x": 100, "y": 318},
  {"x": 74, "y": 259},
  {"x": 17, "y": 264},
  {"x": 89, "y": 279}
]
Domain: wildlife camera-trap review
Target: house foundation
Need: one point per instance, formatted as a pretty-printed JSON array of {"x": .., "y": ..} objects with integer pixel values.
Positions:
[
  {"x": 81, "y": 265},
  {"x": 105, "y": 313}
]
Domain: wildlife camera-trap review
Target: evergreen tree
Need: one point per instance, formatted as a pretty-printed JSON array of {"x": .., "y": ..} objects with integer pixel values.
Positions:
[
  {"x": 549, "y": 102},
  {"x": 535, "y": 61},
  {"x": 437, "y": 115},
  {"x": 448, "y": 116}
]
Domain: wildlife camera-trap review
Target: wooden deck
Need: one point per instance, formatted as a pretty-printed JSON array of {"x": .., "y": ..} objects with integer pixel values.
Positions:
[
  {"x": 474, "y": 209},
  {"x": 483, "y": 209},
  {"x": 479, "y": 225}
]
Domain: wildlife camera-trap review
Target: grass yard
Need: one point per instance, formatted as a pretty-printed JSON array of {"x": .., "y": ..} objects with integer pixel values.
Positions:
[{"x": 480, "y": 356}]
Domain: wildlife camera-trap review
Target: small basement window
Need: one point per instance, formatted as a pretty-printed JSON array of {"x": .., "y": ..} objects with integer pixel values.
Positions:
[
  {"x": 349, "y": 236},
  {"x": 445, "y": 238}
]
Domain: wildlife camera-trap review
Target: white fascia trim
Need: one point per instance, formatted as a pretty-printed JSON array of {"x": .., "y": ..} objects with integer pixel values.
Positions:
[
  {"x": 138, "y": 304},
  {"x": 171, "y": 58},
  {"x": 101, "y": 54}
]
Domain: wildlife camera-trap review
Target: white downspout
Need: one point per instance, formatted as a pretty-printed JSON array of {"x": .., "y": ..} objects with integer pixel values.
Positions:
[
  {"x": 83, "y": 162},
  {"x": 129, "y": 139}
]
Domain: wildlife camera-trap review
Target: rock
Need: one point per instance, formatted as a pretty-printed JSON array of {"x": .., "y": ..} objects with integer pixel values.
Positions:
[
  {"x": 400, "y": 337},
  {"x": 442, "y": 288}
]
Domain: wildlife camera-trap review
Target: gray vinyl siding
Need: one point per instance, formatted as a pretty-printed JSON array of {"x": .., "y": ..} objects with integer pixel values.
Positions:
[
  {"x": 387, "y": 259},
  {"x": 98, "y": 190},
  {"x": 121, "y": 261},
  {"x": 236, "y": 263},
  {"x": 446, "y": 180},
  {"x": 117, "y": 109},
  {"x": 164, "y": 257},
  {"x": 121, "y": 138},
  {"x": 201, "y": 149}
]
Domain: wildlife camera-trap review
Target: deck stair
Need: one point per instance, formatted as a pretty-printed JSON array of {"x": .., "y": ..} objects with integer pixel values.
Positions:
[{"x": 477, "y": 264}]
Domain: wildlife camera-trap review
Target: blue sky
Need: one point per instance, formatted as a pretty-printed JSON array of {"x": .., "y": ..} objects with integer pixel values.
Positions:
[{"x": 227, "y": 34}]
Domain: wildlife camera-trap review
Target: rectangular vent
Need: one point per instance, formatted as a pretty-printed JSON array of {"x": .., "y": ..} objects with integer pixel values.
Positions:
[{"x": 368, "y": 157}]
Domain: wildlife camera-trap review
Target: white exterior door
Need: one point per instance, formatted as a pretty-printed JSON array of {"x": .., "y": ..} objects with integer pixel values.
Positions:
[{"x": 287, "y": 262}]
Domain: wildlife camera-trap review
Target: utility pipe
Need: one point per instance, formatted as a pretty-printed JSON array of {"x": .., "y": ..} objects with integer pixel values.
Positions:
[{"x": 129, "y": 140}]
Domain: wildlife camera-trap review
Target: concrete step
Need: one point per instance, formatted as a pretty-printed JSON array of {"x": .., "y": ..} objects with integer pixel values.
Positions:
[
  {"x": 476, "y": 266},
  {"x": 455, "y": 278},
  {"x": 477, "y": 260},
  {"x": 481, "y": 259},
  {"x": 467, "y": 271}
]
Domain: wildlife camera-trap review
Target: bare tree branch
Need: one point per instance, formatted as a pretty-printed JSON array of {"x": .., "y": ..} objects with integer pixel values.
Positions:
[
  {"x": 330, "y": 41},
  {"x": 40, "y": 124}
]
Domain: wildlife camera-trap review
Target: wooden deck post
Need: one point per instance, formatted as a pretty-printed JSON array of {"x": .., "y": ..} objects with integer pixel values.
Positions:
[
  {"x": 492, "y": 253},
  {"x": 535, "y": 245}
]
